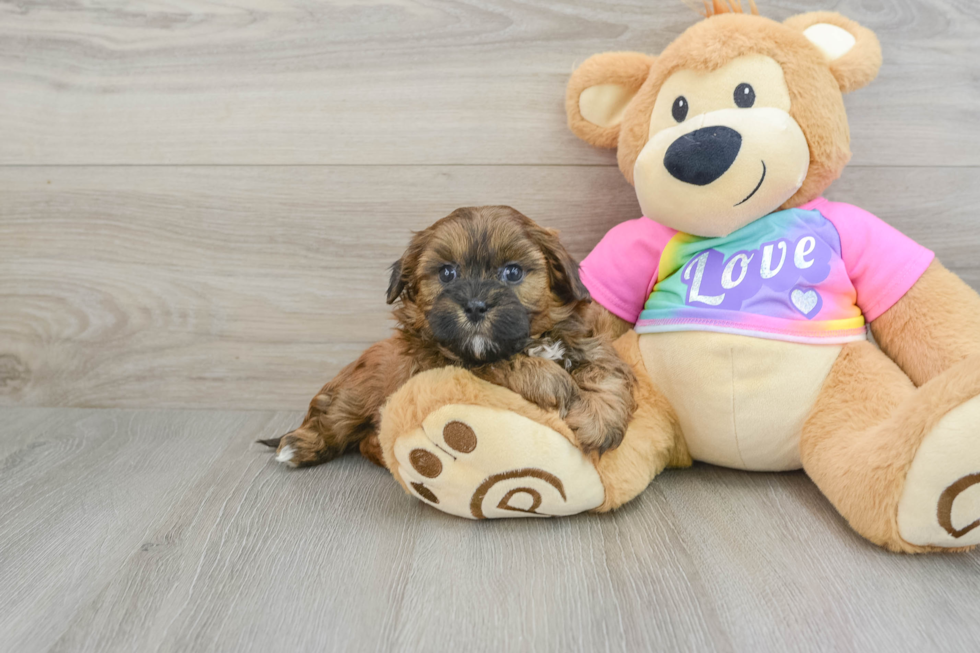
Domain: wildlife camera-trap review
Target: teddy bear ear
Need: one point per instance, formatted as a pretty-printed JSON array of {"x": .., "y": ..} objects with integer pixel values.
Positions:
[
  {"x": 599, "y": 92},
  {"x": 853, "y": 52}
]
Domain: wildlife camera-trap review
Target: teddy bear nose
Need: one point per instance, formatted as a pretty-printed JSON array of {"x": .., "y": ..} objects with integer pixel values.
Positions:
[{"x": 703, "y": 155}]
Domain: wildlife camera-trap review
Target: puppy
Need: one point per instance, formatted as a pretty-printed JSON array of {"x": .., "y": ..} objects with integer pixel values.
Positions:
[{"x": 489, "y": 290}]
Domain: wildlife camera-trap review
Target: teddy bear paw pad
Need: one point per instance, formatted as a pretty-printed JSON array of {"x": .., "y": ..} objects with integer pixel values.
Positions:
[
  {"x": 940, "y": 504},
  {"x": 478, "y": 462}
]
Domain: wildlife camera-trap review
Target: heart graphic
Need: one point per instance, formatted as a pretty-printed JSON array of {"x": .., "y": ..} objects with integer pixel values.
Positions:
[{"x": 805, "y": 301}]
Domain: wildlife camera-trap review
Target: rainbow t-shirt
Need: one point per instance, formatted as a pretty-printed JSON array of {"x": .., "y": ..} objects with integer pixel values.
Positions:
[{"x": 813, "y": 274}]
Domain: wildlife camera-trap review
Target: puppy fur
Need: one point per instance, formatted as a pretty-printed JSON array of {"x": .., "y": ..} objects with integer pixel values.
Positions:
[{"x": 459, "y": 301}]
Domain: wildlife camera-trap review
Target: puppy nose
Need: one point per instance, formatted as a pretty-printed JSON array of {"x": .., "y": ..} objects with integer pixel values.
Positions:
[
  {"x": 704, "y": 155},
  {"x": 475, "y": 310}
]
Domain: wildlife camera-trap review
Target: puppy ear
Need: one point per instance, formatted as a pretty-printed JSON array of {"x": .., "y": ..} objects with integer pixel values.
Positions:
[
  {"x": 562, "y": 268},
  {"x": 599, "y": 92},
  {"x": 852, "y": 52},
  {"x": 396, "y": 284}
]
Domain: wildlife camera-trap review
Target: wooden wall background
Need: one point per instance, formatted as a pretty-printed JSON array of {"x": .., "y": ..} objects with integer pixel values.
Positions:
[{"x": 198, "y": 201}]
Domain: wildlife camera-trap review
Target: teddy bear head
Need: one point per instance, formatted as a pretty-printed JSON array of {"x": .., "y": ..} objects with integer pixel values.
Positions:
[{"x": 738, "y": 117}]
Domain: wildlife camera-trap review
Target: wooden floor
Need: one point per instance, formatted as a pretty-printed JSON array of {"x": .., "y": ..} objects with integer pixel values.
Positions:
[
  {"x": 166, "y": 530},
  {"x": 198, "y": 201}
]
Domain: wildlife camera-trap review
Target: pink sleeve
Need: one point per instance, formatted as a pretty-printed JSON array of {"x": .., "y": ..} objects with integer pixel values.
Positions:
[
  {"x": 882, "y": 262},
  {"x": 622, "y": 268}
]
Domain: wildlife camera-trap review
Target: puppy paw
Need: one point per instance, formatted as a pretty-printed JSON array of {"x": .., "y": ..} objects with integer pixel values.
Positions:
[
  {"x": 940, "y": 504},
  {"x": 592, "y": 433},
  {"x": 479, "y": 463},
  {"x": 538, "y": 380}
]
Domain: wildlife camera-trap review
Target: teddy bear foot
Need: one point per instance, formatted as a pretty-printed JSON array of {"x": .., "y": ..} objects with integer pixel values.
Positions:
[
  {"x": 940, "y": 504},
  {"x": 479, "y": 463}
]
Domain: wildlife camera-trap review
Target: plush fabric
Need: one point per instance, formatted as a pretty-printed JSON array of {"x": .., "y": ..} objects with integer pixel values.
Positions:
[
  {"x": 476, "y": 450},
  {"x": 741, "y": 402},
  {"x": 710, "y": 44},
  {"x": 940, "y": 502},
  {"x": 934, "y": 326},
  {"x": 859, "y": 66},
  {"x": 863, "y": 435},
  {"x": 889, "y": 435},
  {"x": 627, "y": 70}
]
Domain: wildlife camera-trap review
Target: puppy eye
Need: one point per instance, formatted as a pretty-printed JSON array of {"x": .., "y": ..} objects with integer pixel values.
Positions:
[
  {"x": 512, "y": 273},
  {"x": 744, "y": 96},
  {"x": 447, "y": 273},
  {"x": 680, "y": 108}
]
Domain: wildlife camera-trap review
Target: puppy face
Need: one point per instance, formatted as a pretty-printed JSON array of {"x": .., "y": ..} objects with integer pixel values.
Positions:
[{"x": 482, "y": 281}]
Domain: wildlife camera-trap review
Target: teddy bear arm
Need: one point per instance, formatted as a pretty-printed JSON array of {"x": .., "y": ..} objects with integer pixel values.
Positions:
[{"x": 932, "y": 327}]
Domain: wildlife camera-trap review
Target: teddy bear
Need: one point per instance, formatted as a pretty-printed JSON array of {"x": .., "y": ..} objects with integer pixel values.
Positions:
[{"x": 742, "y": 299}]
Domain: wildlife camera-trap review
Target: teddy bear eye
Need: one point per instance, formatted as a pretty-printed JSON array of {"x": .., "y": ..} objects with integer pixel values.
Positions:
[
  {"x": 679, "y": 110},
  {"x": 744, "y": 96}
]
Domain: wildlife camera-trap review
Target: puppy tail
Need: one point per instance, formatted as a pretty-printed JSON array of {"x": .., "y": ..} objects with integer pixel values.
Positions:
[{"x": 272, "y": 443}]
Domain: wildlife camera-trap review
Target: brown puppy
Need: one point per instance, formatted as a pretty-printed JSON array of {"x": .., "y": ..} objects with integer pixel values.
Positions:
[{"x": 489, "y": 290}]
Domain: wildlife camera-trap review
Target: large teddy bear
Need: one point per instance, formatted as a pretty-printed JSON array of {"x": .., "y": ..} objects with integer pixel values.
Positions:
[{"x": 742, "y": 298}]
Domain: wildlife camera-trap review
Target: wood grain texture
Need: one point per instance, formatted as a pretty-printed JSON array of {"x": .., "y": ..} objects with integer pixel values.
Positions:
[
  {"x": 409, "y": 81},
  {"x": 79, "y": 491},
  {"x": 248, "y": 287},
  {"x": 167, "y": 531}
]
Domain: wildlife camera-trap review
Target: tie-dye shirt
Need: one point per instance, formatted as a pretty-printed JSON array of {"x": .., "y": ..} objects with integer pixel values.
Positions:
[{"x": 814, "y": 274}]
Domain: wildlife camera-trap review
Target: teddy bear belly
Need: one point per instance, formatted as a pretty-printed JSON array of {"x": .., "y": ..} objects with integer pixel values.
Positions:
[{"x": 741, "y": 401}]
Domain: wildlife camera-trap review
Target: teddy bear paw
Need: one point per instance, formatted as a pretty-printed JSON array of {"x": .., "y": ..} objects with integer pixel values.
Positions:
[
  {"x": 479, "y": 462},
  {"x": 940, "y": 504}
]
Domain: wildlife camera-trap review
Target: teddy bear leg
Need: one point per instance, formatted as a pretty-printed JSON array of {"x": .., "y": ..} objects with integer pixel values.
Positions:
[
  {"x": 477, "y": 450},
  {"x": 899, "y": 463},
  {"x": 652, "y": 441}
]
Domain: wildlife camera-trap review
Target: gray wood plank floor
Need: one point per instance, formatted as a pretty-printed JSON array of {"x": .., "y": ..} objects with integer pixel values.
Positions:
[
  {"x": 198, "y": 201},
  {"x": 169, "y": 531}
]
